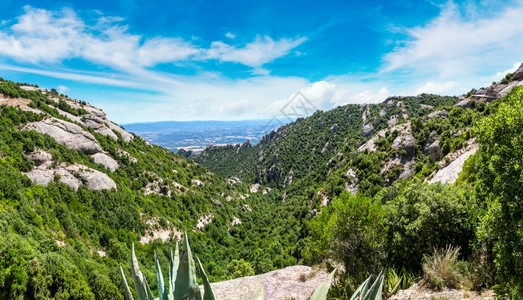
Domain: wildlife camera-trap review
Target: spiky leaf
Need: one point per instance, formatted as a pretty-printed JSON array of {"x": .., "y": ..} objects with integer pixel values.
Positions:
[
  {"x": 138, "y": 278},
  {"x": 396, "y": 287},
  {"x": 186, "y": 286},
  {"x": 128, "y": 294},
  {"x": 208, "y": 294},
  {"x": 161, "y": 284},
  {"x": 322, "y": 291},
  {"x": 374, "y": 292},
  {"x": 362, "y": 288}
]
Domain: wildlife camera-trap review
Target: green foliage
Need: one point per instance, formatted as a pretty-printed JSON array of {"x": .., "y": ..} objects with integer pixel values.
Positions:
[
  {"x": 422, "y": 216},
  {"x": 351, "y": 230},
  {"x": 508, "y": 78},
  {"x": 239, "y": 268},
  {"x": 500, "y": 184}
]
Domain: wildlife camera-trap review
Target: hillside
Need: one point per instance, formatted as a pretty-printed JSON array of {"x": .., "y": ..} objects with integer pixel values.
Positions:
[
  {"x": 77, "y": 190},
  {"x": 325, "y": 142},
  {"x": 359, "y": 187}
]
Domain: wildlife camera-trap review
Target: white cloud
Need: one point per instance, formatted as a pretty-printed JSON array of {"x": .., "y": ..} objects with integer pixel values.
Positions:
[
  {"x": 255, "y": 54},
  {"x": 461, "y": 41},
  {"x": 41, "y": 35},
  {"x": 62, "y": 89},
  {"x": 440, "y": 88},
  {"x": 368, "y": 96},
  {"x": 230, "y": 35}
]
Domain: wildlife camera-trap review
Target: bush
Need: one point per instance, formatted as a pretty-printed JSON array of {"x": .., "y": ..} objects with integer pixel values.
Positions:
[
  {"x": 422, "y": 217},
  {"x": 351, "y": 230}
]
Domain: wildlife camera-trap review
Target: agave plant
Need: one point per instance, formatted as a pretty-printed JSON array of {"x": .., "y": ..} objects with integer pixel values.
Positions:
[
  {"x": 368, "y": 292},
  {"x": 182, "y": 278}
]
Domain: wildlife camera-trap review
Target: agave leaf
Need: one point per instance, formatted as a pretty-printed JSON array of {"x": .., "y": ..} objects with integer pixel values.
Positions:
[
  {"x": 161, "y": 284},
  {"x": 323, "y": 289},
  {"x": 374, "y": 292},
  {"x": 176, "y": 264},
  {"x": 186, "y": 286},
  {"x": 208, "y": 294},
  {"x": 396, "y": 287},
  {"x": 128, "y": 293},
  {"x": 139, "y": 282},
  {"x": 148, "y": 290},
  {"x": 362, "y": 288}
]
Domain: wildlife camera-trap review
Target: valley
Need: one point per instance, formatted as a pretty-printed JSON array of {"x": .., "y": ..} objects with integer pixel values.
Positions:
[{"x": 360, "y": 188}]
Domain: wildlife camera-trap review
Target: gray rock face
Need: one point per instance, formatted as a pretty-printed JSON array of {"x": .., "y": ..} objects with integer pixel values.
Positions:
[
  {"x": 95, "y": 180},
  {"x": 465, "y": 103},
  {"x": 432, "y": 148},
  {"x": 99, "y": 126},
  {"x": 405, "y": 140},
  {"x": 106, "y": 160},
  {"x": 74, "y": 176},
  {"x": 123, "y": 153},
  {"x": 280, "y": 284},
  {"x": 68, "y": 134},
  {"x": 367, "y": 129},
  {"x": 518, "y": 75},
  {"x": 40, "y": 158},
  {"x": 393, "y": 120},
  {"x": 448, "y": 173},
  {"x": 352, "y": 182},
  {"x": 125, "y": 135},
  {"x": 440, "y": 114}
]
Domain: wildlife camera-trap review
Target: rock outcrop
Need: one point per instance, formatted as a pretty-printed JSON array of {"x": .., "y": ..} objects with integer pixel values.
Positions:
[
  {"x": 106, "y": 160},
  {"x": 296, "y": 282},
  {"x": 452, "y": 164},
  {"x": 68, "y": 134},
  {"x": 73, "y": 176}
]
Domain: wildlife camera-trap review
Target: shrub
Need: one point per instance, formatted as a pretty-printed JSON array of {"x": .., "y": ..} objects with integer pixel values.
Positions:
[
  {"x": 424, "y": 216},
  {"x": 442, "y": 269}
]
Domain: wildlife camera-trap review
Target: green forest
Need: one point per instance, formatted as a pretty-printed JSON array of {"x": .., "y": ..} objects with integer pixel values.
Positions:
[{"x": 58, "y": 243}]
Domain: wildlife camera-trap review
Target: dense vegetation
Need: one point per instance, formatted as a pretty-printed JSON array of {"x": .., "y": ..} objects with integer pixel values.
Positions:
[
  {"x": 50, "y": 236},
  {"x": 59, "y": 243}
]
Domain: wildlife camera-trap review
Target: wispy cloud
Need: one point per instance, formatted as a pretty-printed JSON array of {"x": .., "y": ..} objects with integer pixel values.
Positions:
[
  {"x": 461, "y": 41},
  {"x": 255, "y": 54},
  {"x": 43, "y": 36}
]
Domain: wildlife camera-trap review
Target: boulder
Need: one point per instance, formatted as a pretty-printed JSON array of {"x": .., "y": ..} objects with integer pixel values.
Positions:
[
  {"x": 126, "y": 136},
  {"x": 95, "y": 180},
  {"x": 106, "y": 160},
  {"x": 431, "y": 147},
  {"x": 295, "y": 282},
  {"x": 393, "y": 120},
  {"x": 40, "y": 158},
  {"x": 367, "y": 129},
  {"x": 465, "y": 103},
  {"x": 352, "y": 181},
  {"x": 123, "y": 153},
  {"x": 518, "y": 75},
  {"x": 44, "y": 176},
  {"x": 439, "y": 114},
  {"x": 98, "y": 125},
  {"x": 405, "y": 140},
  {"x": 68, "y": 134}
]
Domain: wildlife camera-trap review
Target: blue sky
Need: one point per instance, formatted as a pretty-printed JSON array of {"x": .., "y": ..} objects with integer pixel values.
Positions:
[{"x": 224, "y": 60}]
